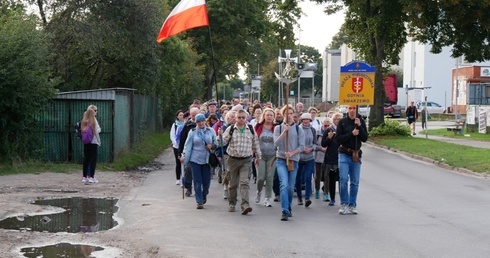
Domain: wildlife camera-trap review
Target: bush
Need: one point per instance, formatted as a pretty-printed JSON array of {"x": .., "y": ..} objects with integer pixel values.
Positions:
[{"x": 391, "y": 127}]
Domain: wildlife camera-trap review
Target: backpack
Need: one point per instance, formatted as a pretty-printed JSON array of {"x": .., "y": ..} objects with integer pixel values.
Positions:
[
  {"x": 87, "y": 135},
  {"x": 78, "y": 129},
  {"x": 297, "y": 129},
  {"x": 232, "y": 129}
]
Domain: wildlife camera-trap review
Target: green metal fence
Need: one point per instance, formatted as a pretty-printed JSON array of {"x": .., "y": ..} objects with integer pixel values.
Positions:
[{"x": 123, "y": 117}]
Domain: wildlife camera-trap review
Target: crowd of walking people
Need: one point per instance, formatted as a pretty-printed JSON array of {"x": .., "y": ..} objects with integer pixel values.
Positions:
[{"x": 284, "y": 150}]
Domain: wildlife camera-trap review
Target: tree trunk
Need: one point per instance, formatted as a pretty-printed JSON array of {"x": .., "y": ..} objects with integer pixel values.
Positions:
[{"x": 376, "y": 117}]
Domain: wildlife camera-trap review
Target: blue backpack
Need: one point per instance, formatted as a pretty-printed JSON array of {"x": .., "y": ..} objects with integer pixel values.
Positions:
[{"x": 87, "y": 135}]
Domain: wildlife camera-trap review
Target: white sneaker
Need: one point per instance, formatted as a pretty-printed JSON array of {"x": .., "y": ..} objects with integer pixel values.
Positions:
[
  {"x": 344, "y": 209},
  {"x": 353, "y": 210},
  {"x": 257, "y": 198},
  {"x": 267, "y": 202},
  {"x": 84, "y": 180},
  {"x": 177, "y": 182},
  {"x": 92, "y": 180}
]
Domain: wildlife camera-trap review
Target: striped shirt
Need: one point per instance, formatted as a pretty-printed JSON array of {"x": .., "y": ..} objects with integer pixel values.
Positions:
[{"x": 242, "y": 143}]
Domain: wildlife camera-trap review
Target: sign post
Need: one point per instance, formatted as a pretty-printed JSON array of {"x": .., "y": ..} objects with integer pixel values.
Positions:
[{"x": 357, "y": 84}]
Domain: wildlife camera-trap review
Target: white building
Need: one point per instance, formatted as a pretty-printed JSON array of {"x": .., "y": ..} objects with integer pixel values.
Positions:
[
  {"x": 421, "y": 68},
  {"x": 331, "y": 75}
]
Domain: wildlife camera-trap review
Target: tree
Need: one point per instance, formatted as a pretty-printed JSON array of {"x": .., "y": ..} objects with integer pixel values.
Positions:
[
  {"x": 339, "y": 39},
  {"x": 376, "y": 30},
  {"x": 25, "y": 86},
  {"x": 462, "y": 24},
  {"x": 237, "y": 27}
]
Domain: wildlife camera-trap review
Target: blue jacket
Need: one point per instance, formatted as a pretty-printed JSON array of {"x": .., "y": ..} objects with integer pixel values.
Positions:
[{"x": 210, "y": 137}]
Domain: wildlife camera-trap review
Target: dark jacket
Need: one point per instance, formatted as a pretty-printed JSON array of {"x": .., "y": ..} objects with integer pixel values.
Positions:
[
  {"x": 346, "y": 139},
  {"x": 332, "y": 153},
  {"x": 412, "y": 111},
  {"x": 189, "y": 125}
]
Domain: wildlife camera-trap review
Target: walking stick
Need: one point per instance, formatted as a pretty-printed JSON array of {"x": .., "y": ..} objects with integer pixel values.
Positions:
[
  {"x": 182, "y": 178},
  {"x": 287, "y": 122}
]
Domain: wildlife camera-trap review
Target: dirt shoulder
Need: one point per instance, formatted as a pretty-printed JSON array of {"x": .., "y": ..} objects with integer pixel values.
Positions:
[{"x": 18, "y": 191}]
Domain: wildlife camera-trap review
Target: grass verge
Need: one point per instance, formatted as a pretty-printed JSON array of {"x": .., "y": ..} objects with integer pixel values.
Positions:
[
  {"x": 152, "y": 145},
  {"x": 444, "y": 132},
  {"x": 149, "y": 148},
  {"x": 455, "y": 155}
]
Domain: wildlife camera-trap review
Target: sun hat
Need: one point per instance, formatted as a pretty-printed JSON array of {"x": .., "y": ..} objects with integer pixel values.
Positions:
[{"x": 305, "y": 116}]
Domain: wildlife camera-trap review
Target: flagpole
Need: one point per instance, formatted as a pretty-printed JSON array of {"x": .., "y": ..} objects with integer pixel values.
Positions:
[{"x": 212, "y": 60}]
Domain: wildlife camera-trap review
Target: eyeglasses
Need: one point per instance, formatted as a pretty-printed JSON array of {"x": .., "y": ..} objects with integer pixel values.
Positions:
[{"x": 240, "y": 117}]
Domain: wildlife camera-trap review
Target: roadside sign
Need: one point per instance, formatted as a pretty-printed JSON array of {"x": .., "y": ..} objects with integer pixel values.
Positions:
[
  {"x": 357, "y": 84},
  {"x": 256, "y": 84}
]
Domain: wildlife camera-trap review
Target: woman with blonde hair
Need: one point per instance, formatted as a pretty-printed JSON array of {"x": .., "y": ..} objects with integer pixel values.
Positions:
[
  {"x": 265, "y": 174},
  {"x": 90, "y": 146}
]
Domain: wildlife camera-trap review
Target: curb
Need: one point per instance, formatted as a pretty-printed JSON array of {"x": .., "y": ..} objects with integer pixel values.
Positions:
[{"x": 431, "y": 161}]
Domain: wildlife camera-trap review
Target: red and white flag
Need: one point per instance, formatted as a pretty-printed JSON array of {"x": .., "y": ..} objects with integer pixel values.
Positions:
[{"x": 186, "y": 15}]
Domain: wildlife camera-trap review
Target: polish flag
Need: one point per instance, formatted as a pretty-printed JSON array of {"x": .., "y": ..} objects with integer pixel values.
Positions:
[{"x": 186, "y": 15}]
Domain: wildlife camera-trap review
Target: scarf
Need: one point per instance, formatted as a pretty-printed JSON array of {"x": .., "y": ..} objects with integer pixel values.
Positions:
[{"x": 178, "y": 123}]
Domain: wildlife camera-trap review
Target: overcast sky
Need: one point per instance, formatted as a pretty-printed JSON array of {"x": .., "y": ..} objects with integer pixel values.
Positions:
[{"x": 317, "y": 28}]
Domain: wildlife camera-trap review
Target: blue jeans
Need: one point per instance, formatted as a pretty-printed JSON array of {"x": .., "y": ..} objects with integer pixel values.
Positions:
[
  {"x": 201, "y": 175},
  {"x": 305, "y": 173},
  {"x": 348, "y": 170},
  {"x": 286, "y": 183}
]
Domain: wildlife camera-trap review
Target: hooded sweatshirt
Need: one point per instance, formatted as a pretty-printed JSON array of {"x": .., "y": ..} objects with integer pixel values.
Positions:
[{"x": 310, "y": 142}]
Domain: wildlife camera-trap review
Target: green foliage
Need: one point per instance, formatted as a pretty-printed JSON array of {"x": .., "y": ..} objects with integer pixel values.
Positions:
[
  {"x": 376, "y": 31},
  {"x": 151, "y": 146},
  {"x": 181, "y": 77},
  {"x": 391, "y": 127},
  {"x": 339, "y": 39},
  {"x": 463, "y": 25},
  {"x": 105, "y": 44},
  {"x": 25, "y": 86},
  {"x": 441, "y": 152},
  {"x": 225, "y": 90},
  {"x": 240, "y": 31}
]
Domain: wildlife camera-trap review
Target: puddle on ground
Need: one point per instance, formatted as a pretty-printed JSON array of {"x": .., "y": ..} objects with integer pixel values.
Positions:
[
  {"x": 80, "y": 215},
  {"x": 61, "y": 250}
]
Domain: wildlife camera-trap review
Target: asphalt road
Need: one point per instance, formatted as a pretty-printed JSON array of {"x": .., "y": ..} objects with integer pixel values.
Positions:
[{"x": 406, "y": 209}]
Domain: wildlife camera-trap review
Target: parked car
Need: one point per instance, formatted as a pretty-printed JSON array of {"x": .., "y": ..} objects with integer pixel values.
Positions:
[
  {"x": 392, "y": 110},
  {"x": 432, "y": 107}
]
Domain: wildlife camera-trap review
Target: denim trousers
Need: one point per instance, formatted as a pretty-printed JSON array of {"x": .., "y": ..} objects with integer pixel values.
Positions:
[
  {"x": 287, "y": 179},
  {"x": 201, "y": 175},
  {"x": 349, "y": 172},
  {"x": 305, "y": 173}
]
